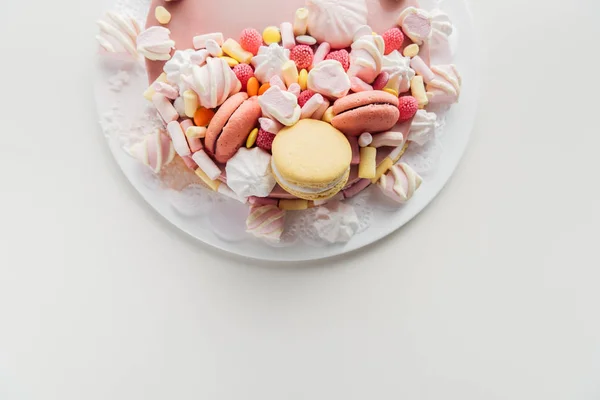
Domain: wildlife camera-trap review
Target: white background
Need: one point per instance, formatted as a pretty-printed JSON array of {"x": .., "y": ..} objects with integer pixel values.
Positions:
[{"x": 491, "y": 293}]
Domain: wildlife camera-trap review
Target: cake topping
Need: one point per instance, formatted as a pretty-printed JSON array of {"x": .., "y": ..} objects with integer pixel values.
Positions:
[
  {"x": 366, "y": 57},
  {"x": 399, "y": 72},
  {"x": 249, "y": 173},
  {"x": 303, "y": 56},
  {"x": 280, "y": 105},
  {"x": 336, "y": 222},
  {"x": 401, "y": 183},
  {"x": 416, "y": 24},
  {"x": 329, "y": 78},
  {"x": 269, "y": 62},
  {"x": 251, "y": 40},
  {"x": 266, "y": 222},
  {"x": 214, "y": 82},
  {"x": 445, "y": 87},
  {"x": 118, "y": 33},
  {"x": 341, "y": 56},
  {"x": 408, "y": 107},
  {"x": 155, "y": 151},
  {"x": 393, "y": 39},
  {"x": 335, "y": 21},
  {"x": 200, "y": 40},
  {"x": 441, "y": 27},
  {"x": 423, "y": 127},
  {"x": 155, "y": 43}
]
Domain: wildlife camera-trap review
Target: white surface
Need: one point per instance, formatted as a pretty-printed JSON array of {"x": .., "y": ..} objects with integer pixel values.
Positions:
[
  {"x": 491, "y": 293},
  {"x": 228, "y": 233}
]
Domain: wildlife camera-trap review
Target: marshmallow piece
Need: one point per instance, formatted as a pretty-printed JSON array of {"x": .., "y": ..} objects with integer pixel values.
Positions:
[
  {"x": 397, "y": 153},
  {"x": 178, "y": 138},
  {"x": 387, "y": 139},
  {"x": 163, "y": 16},
  {"x": 289, "y": 71},
  {"x": 321, "y": 110},
  {"x": 295, "y": 89},
  {"x": 268, "y": 125},
  {"x": 282, "y": 106},
  {"x": 211, "y": 183},
  {"x": 230, "y": 61},
  {"x": 322, "y": 52},
  {"x": 195, "y": 144},
  {"x": 365, "y": 139},
  {"x": 277, "y": 81},
  {"x": 164, "y": 107},
  {"x": 329, "y": 79},
  {"x": 307, "y": 40},
  {"x": 382, "y": 168},
  {"x": 155, "y": 151},
  {"x": 401, "y": 183},
  {"x": 155, "y": 43},
  {"x": 269, "y": 62},
  {"x": 368, "y": 164},
  {"x": 417, "y": 88},
  {"x": 328, "y": 116},
  {"x": 196, "y": 132},
  {"x": 206, "y": 164},
  {"x": 287, "y": 35},
  {"x": 412, "y": 50},
  {"x": 422, "y": 69},
  {"x": 353, "y": 141},
  {"x": 191, "y": 103},
  {"x": 123, "y": 29},
  {"x": 213, "y": 48},
  {"x": 199, "y": 57},
  {"x": 179, "y": 105},
  {"x": 311, "y": 106},
  {"x": 200, "y": 41},
  {"x": 293, "y": 205},
  {"x": 166, "y": 90},
  {"x": 416, "y": 24},
  {"x": 356, "y": 188},
  {"x": 234, "y": 50},
  {"x": 266, "y": 222},
  {"x": 358, "y": 85},
  {"x": 301, "y": 22}
]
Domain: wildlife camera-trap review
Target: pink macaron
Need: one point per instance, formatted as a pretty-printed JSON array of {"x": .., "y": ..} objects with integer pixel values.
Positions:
[
  {"x": 370, "y": 111},
  {"x": 231, "y": 126}
]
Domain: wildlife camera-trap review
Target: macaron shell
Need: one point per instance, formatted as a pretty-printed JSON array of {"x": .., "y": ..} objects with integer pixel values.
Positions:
[
  {"x": 317, "y": 196},
  {"x": 371, "y": 118},
  {"x": 220, "y": 120},
  {"x": 360, "y": 99},
  {"x": 311, "y": 153},
  {"x": 237, "y": 130}
]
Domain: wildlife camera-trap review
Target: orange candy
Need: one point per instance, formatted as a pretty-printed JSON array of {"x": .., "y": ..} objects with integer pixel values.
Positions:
[
  {"x": 252, "y": 86},
  {"x": 203, "y": 116},
  {"x": 263, "y": 88}
]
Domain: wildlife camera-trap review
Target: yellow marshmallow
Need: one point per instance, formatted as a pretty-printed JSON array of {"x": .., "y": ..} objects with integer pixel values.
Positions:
[
  {"x": 214, "y": 185},
  {"x": 162, "y": 15},
  {"x": 382, "y": 169},
  {"x": 191, "y": 103},
  {"x": 235, "y": 51},
  {"x": 196, "y": 132},
  {"x": 328, "y": 116},
  {"x": 301, "y": 22},
  {"x": 271, "y": 34},
  {"x": 303, "y": 79},
  {"x": 252, "y": 138},
  {"x": 417, "y": 88},
  {"x": 230, "y": 61},
  {"x": 368, "y": 163},
  {"x": 411, "y": 50},
  {"x": 289, "y": 72},
  {"x": 293, "y": 205}
]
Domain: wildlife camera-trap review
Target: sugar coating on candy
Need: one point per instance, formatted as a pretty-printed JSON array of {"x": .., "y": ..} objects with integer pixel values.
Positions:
[
  {"x": 304, "y": 97},
  {"x": 243, "y": 72},
  {"x": 393, "y": 39},
  {"x": 264, "y": 140},
  {"x": 381, "y": 80},
  {"x": 342, "y": 56},
  {"x": 251, "y": 40},
  {"x": 302, "y": 55},
  {"x": 408, "y": 107}
]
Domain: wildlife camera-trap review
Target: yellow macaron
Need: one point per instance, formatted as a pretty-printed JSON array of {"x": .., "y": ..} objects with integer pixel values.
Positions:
[{"x": 311, "y": 160}]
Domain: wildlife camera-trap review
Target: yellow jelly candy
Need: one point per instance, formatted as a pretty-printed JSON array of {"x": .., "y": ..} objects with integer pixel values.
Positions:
[
  {"x": 252, "y": 138},
  {"x": 303, "y": 79},
  {"x": 271, "y": 34}
]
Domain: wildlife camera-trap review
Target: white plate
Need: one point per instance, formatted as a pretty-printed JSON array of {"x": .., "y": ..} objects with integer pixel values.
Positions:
[{"x": 223, "y": 226}]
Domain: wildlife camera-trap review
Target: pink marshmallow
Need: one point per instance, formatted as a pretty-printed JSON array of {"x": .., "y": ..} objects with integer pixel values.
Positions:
[
  {"x": 356, "y": 188},
  {"x": 206, "y": 164},
  {"x": 322, "y": 51},
  {"x": 194, "y": 143},
  {"x": 295, "y": 88},
  {"x": 311, "y": 106},
  {"x": 277, "y": 81},
  {"x": 287, "y": 35},
  {"x": 189, "y": 163},
  {"x": 422, "y": 69},
  {"x": 166, "y": 90},
  {"x": 178, "y": 138},
  {"x": 358, "y": 85},
  {"x": 269, "y": 125},
  {"x": 321, "y": 110},
  {"x": 164, "y": 107}
]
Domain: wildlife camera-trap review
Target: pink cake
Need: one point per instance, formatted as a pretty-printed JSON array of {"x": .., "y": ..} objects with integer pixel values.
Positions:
[{"x": 226, "y": 77}]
